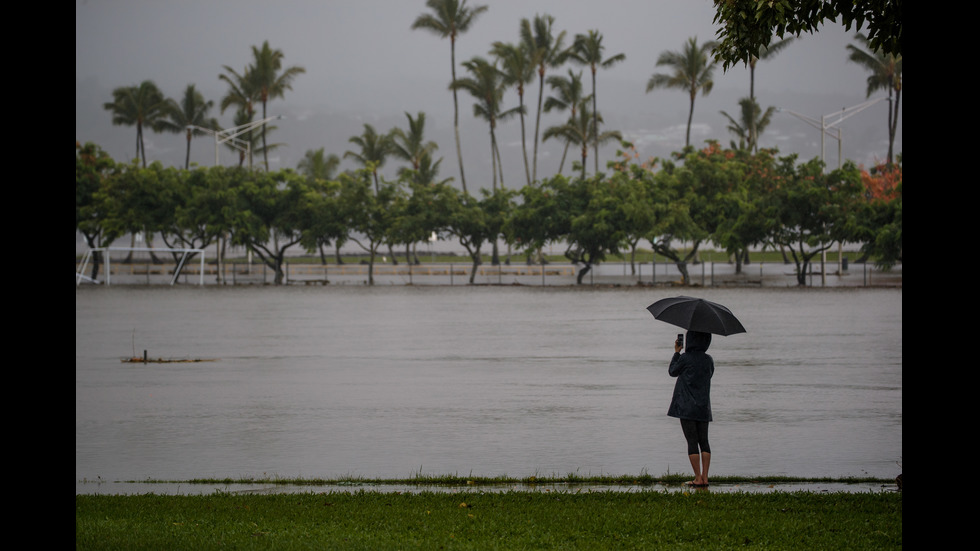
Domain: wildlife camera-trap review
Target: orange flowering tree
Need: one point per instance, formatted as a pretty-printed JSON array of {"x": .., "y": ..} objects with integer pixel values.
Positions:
[{"x": 879, "y": 223}]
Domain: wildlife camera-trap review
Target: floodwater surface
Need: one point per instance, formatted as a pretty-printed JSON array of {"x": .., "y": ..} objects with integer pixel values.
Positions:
[{"x": 391, "y": 382}]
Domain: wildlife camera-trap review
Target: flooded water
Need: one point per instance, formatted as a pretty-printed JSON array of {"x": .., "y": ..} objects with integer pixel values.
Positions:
[{"x": 328, "y": 382}]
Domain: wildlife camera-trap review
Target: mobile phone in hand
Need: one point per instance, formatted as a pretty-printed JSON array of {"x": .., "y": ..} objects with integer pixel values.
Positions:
[{"x": 680, "y": 340}]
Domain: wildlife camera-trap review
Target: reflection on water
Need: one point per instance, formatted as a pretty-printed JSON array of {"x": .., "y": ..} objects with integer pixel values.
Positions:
[{"x": 394, "y": 381}]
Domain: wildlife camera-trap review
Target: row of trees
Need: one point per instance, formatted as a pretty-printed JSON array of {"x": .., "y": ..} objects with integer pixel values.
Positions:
[
  {"x": 539, "y": 54},
  {"x": 731, "y": 198}
]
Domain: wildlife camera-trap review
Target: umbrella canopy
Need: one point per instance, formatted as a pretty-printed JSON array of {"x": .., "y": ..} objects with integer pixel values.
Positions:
[{"x": 696, "y": 314}]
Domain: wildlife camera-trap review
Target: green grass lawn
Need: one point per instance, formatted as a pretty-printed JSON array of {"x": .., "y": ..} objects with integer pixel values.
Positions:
[{"x": 647, "y": 519}]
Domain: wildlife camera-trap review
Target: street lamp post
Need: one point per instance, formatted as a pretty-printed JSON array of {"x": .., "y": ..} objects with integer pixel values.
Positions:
[
  {"x": 230, "y": 136},
  {"x": 824, "y": 127},
  {"x": 835, "y": 119}
]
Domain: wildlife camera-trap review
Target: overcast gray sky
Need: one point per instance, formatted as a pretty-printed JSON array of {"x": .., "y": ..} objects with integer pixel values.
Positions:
[{"x": 364, "y": 64}]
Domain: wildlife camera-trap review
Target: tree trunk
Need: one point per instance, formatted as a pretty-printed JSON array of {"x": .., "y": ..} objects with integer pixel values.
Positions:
[{"x": 682, "y": 268}]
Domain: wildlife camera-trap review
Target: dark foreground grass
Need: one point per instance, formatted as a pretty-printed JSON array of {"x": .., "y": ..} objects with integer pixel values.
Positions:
[{"x": 491, "y": 520}]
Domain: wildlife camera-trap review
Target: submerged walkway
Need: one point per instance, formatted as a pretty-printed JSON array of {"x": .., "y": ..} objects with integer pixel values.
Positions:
[{"x": 705, "y": 274}]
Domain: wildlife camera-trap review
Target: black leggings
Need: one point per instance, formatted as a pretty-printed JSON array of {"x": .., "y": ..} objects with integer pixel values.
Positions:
[{"x": 696, "y": 433}]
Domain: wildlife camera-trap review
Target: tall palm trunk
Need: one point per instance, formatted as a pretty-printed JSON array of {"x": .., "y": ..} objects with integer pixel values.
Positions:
[
  {"x": 595, "y": 121},
  {"x": 459, "y": 149},
  {"x": 265, "y": 150},
  {"x": 893, "y": 121},
  {"x": 690, "y": 118},
  {"x": 537, "y": 124},
  {"x": 187, "y": 156}
]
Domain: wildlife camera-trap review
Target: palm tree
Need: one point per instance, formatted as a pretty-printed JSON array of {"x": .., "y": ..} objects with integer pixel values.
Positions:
[
  {"x": 587, "y": 50},
  {"x": 487, "y": 87},
  {"x": 568, "y": 95},
  {"x": 412, "y": 146},
  {"x": 517, "y": 71},
  {"x": 546, "y": 50},
  {"x": 190, "y": 115},
  {"x": 374, "y": 151},
  {"x": 751, "y": 123},
  {"x": 428, "y": 171},
  {"x": 448, "y": 19},
  {"x": 142, "y": 106},
  {"x": 765, "y": 53},
  {"x": 242, "y": 95},
  {"x": 580, "y": 130},
  {"x": 692, "y": 71},
  {"x": 317, "y": 165},
  {"x": 271, "y": 81},
  {"x": 886, "y": 74}
]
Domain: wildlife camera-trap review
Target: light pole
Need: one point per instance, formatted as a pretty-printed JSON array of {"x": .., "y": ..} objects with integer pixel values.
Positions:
[
  {"x": 824, "y": 127},
  {"x": 230, "y": 136},
  {"x": 836, "y": 118}
]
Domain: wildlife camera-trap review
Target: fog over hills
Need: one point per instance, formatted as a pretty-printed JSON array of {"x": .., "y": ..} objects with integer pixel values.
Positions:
[{"x": 365, "y": 65}]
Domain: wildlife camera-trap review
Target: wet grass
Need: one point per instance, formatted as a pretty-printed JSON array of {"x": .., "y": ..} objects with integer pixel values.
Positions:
[{"x": 648, "y": 519}]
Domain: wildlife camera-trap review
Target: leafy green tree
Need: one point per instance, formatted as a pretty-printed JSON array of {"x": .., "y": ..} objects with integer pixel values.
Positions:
[
  {"x": 93, "y": 167},
  {"x": 579, "y": 212},
  {"x": 886, "y": 74},
  {"x": 144, "y": 200},
  {"x": 540, "y": 217},
  {"x": 449, "y": 18},
  {"x": 421, "y": 213},
  {"x": 807, "y": 210},
  {"x": 596, "y": 227},
  {"x": 692, "y": 70},
  {"x": 190, "y": 115},
  {"x": 743, "y": 182},
  {"x": 487, "y": 86},
  {"x": 143, "y": 106},
  {"x": 517, "y": 71},
  {"x": 587, "y": 50},
  {"x": 568, "y": 94},
  {"x": 368, "y": 214},
  {"x": 271, "y": 81},
  {"x": 643, "y": 208},
  {"x": 546, "y": 50},
  {"x": 273, "y": 214},
  {"x": 748, "y": 26},
  {"x": 325, "y": 222},
  {"x": 208, "y": 212},
  {"x": 690, "y": 192},
  {"x": 477, "y": 222}
]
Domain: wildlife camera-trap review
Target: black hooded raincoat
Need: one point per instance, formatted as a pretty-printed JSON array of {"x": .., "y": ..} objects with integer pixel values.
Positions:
[{"x": 693, "y": 369}]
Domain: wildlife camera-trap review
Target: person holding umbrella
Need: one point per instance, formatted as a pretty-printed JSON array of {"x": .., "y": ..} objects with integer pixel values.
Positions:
[{"x": 691, "y": 401}]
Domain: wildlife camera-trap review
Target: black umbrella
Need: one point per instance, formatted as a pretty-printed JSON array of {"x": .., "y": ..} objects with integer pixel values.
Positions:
[{"x": 696, "y": 314}]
